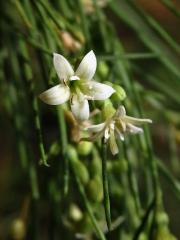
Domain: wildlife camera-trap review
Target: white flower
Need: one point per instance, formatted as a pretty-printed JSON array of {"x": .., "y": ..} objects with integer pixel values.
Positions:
[
  {"x": 115, "y": 127},
  {"x": 78, "y": 87}
]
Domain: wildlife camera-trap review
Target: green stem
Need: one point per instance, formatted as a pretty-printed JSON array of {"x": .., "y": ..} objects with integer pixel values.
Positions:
[
  {"x": 64, "y": 142},
  {"x": 132, "y": 182},
  {"x": 171, "y": 6},
  {"x": 105, "y": 185},
  {"x": 28, "y": 76},
  {"x": 144, "y": 221},
  {"x": 84, "y": 23},
  {"x": 34, "y": 184},
  {"x": 129, "y": 56},
  {"x": 88, "y": 207}
]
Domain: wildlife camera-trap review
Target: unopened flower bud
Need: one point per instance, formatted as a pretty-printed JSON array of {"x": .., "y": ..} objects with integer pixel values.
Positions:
[
  {"x": 143, "y": 236},
  {"x": 95, "y": 189},
  {"x": 120, "y": 166},
  {"x": 72, "y": 154},
  {"x": 120, "y": 94},
  {"x": 103, "y": 69},
  {"x": 108, "y": 110},
  {"x": 75, "y": 213},
  {"x": 163, "y": 233},
  {"x": 18, "y": 229},
  {"x": 162, "y": 218},
  {"x": 84, "y": 148},
  {"x": 81, "y": 172},
  {"x": 96, "y": 165}
]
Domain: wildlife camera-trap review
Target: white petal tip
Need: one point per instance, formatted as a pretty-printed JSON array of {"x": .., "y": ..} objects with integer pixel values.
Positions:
[
  {"x": 55, "y": 95},
  {"x": 57, "y": 55},
  {"x": 87, "y": 67},
  {"x": 149, "y": 121}
]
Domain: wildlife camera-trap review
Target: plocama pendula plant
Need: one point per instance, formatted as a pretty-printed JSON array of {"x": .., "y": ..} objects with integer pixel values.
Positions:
[{"x": 79, "y": 87}]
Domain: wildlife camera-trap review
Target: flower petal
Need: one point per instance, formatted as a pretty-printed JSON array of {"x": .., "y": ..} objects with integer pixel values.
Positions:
[
  {"x": 100, "y": 91},
  {"x": 87, "y": 67},
  {"x": 137, "y": 121},
  {"x": 55, "y": 95},
  {"x": 80, "y": 108},
  {"x": 121, "y": 111},
  {"x": 95, "y": 128},
  {"x": 133, "y": 129},
  {"x": 112, "y": 143},
  {"x": 62, "y": 66}
]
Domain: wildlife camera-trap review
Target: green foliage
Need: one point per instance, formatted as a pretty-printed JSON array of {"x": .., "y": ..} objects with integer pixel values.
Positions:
[{"x": 148, "y": 83}]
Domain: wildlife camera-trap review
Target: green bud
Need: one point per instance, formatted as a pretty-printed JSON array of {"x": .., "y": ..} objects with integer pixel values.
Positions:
[
  {"x": 120, "y": 94},
  {"x": 120, "y": 166},
  {"x": 84, "y": 148},
  {"x": 163, "y": 233},
  {"x": 75, "y": 213},
  {"x": 162, "y": 218},
  {"x": 143, "y": 236},
  {"x": 108, "y": 110},
  {"x": 54, "y": 149},
  {"x": 72, "y": 154},
  {"x": 81, "y": 172},
  {"x": 103, "y": 69},
  {"x": 96, "y": 165},
  {"x": 95, "y": 189}
]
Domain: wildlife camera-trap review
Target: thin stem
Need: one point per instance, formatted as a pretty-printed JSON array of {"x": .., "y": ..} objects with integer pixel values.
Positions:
[
  {"x": 144, "y": 220},
  {"x": 87, "y": 205},
  {"x": 171, "y": 6},
  {"x": 64, "y": 142},
  {"x": 129, "y": 56},
  {"x": 84, "y": 23},
  {"x": 105, "y": 185},
  {"x": 29, "y": 75}
]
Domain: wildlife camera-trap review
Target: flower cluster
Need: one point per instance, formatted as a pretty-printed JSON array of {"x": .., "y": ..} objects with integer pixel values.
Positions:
[{"x": 79, "y": 87}]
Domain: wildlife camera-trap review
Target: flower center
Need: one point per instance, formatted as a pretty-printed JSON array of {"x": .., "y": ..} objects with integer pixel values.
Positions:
[{"x": 74, "y": 84}]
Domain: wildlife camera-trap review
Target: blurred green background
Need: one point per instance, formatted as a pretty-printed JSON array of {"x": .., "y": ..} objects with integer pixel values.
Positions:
[{"x": 137, "y": 47}]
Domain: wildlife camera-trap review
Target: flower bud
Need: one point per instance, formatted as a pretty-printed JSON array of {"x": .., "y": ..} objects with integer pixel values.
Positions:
[
  {"x": 163, "y": 233},
  {"x": 143, "y": 236},
  {"x": 108, "y": 110},
  {"x": 95, "y": 189},
  {"x": 75, "y": 213},
  {"x": 81, "y": 172},
  {"x": 72, "y": 154},
  {"x": 84, "y": 148},
  {"x": 120, "y": 94},
  {"x": 96, "y": 165},
  {"x": 119, "y": 166},
  {"x": 103, "y": 69},
  {"x": 18, "y": 229},
  {"x": 162, "y": 218},
  {"x": 69, "y": 42}
]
